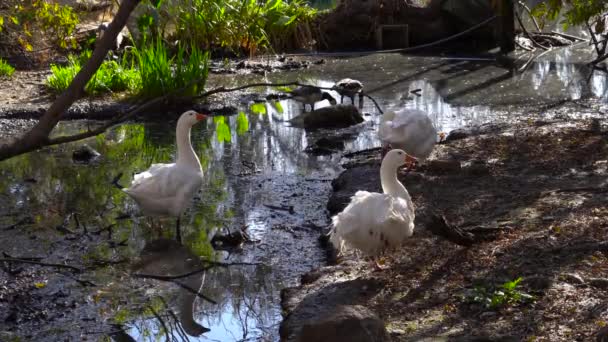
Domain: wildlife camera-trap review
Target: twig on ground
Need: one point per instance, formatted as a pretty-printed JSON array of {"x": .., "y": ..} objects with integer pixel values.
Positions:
[
  {"x": 527, "y": 9},
  {"x": 282, "y": 208},
  {"x": 173, "y": 280},
  {"x": 162, "y": 323},
  {"x": 210, "y": 265},
  {"x": 39, "y": 263},
  {"x": 527, "y": 34}
]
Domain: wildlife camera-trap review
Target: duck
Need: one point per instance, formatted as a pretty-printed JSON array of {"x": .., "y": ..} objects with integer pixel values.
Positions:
[
  {"x": 410, "y": 130},
  {"x": 167, "y": 189},
  {"x": 349, "y": 88},
  {"x": 372, "y": 222},
  {"x": 311, "y": 95}
]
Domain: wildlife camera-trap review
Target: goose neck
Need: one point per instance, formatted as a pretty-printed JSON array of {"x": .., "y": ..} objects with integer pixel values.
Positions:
[
  {"x": 390, "y": 184},
  {"x": 185, "y": 152}
]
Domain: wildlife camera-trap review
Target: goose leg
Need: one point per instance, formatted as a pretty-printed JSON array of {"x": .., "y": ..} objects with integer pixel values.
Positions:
[
  {"x": 352, "y": 100},
  {"x": 341, "y": 98},
  {"x": 178, "y": 232},
  {"x": 360, "y": 101},
  {"x": 312, "y": 107}
]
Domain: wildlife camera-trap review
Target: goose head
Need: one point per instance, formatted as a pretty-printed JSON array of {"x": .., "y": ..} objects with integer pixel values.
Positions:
[
  {"x": 190, "y": 118},
  {"x": 394, "y": 159},
  {"x": 328, "y": 97}
]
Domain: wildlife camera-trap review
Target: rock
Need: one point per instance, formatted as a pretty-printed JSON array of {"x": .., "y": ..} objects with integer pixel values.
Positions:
[
  {"x": 332, "y": 304},
  {"x": 85, "y": 154},
  {"x": 229, "y": 240},
  {"x": 338, "y": 116},
  {"x": 465, "y": 132},
  {"x": 325, "y": 146},
  {"x": 601, "y": 283},
  {"x": 347, "y": 323},
  {"x": 572, "y": 278}
]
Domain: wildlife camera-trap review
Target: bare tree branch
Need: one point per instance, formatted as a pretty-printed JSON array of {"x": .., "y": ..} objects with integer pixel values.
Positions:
[
  {"x": 121, "y": 118},
  {"x": 38, "y": 136}
]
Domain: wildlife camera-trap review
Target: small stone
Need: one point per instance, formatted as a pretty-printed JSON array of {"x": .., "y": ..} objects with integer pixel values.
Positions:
[
  {"x": 487, "y": 314},
  {"x": 352, "y": 323},
  {"x": 601, "y": 283},
  {"x": 572, "y": 278}
]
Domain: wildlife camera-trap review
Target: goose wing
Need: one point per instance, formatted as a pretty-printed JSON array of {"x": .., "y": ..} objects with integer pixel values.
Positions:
[{"x": 373, "y": 222}]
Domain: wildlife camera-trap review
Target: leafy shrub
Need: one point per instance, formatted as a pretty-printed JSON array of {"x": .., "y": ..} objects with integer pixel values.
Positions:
[
  {"x": 241, "y": 24},
  {"x": 6, "y": 70},
  {"x": 39, "y": 20},
  {"x": 574, "y": 12}
]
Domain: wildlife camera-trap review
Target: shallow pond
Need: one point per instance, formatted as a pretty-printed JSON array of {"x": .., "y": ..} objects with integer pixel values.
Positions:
[{"x": 257, "y": 179}]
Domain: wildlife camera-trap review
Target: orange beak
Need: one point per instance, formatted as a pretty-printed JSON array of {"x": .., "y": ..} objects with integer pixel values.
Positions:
[{"x": 200, "y": 116}]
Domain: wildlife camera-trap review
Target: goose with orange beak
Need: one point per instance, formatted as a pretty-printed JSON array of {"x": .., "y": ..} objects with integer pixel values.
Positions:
[{"x": 168, "y": 189}]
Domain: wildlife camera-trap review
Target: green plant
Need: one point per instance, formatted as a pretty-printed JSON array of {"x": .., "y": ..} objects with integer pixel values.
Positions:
[
  {"x": 505, "y": 294},
  {"x": 110, "y": 77},
  {"x": 248, "y": 25},
  {"x": 6, "y": 70},
  {"x": 575, "y": 12},
  {"x": 161, "y": 74},
  {"x": 39, "y": 20}
]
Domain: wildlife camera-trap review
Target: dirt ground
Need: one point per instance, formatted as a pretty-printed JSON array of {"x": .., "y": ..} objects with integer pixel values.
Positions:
[{"x": 534, "y": 197}]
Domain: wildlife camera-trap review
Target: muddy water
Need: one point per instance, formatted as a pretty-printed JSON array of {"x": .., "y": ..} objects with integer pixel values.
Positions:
[{"x": 257, "y": 179}]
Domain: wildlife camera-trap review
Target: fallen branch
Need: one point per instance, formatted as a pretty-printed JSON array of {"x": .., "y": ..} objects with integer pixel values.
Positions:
[
  {"x": 39, "y": 263},
  {"x": 38, "y": 136}
]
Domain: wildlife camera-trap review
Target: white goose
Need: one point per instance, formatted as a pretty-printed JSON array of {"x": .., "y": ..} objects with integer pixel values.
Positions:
[
  {"x": 374, "y": 222},
  {"x": 167, "y": 189},
  {"x": 410, "y": 130}
]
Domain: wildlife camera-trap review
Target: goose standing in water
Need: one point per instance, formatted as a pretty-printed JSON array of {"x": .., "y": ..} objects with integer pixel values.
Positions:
[
  {"x": 167, "y": 189},
  {"x": 375, "y": 222},
  {"x": 349, "y": 88},
  {"x": 311, "y": 95},
  {"x": 410, "y": 130}
]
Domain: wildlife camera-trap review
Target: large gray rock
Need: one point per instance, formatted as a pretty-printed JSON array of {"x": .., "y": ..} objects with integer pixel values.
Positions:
[
  {"x": 338, "y": 116},
  {"x": 347, "y": 323}
]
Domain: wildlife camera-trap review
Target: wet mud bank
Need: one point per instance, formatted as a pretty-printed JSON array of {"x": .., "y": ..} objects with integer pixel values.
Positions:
[{"x": 526, "y": 200}]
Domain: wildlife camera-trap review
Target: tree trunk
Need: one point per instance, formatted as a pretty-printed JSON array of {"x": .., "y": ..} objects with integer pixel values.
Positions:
[{"x": 39, "y": 134}]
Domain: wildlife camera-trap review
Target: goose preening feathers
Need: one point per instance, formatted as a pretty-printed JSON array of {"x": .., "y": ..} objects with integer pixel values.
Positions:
[
  {"x": 311, "y": 95},
  {"x": 375, "y": 222},
  {"x": 410, "y": 130},
  {"x": 167, "y": 189}
]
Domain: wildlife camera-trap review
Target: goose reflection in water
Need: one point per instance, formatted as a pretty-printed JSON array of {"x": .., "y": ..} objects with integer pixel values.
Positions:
[{"x": 166, "y": 257}]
